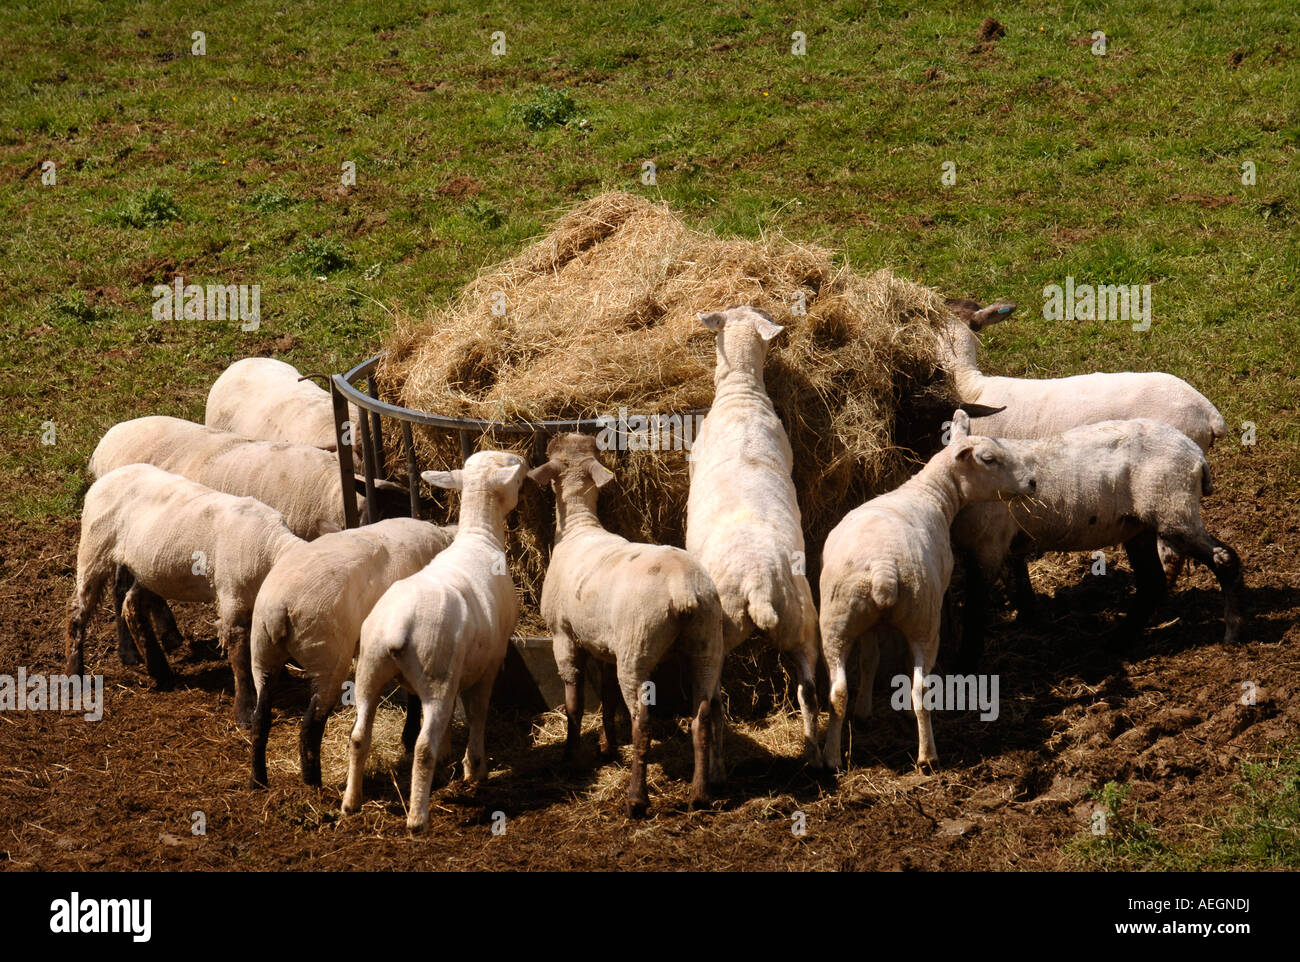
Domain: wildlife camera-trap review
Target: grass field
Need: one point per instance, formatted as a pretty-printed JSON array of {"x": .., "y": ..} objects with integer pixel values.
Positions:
[{"x": 227, "y": 168}]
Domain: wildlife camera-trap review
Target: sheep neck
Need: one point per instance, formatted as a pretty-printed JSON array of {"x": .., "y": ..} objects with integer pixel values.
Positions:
[
  {"x": 962, "y": 354},
  {"x": 574, "y": 512},
  {"x": 743, "y": 383},
  {"x": 481, "y": 514},
  {"x": 935, "y": 483}
]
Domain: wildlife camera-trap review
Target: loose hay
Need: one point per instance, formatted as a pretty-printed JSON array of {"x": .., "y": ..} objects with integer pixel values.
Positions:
[{"x": 601, "y": 315}]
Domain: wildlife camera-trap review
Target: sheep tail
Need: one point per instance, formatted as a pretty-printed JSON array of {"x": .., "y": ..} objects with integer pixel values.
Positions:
[
  {"x": 884, "y": 582},
  {"x": 1207, "y": 483},
  {"x": 761, "y": 611}
]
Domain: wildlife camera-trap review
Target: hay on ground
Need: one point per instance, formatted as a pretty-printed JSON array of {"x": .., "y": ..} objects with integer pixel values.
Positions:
[{"x": 600, "y": 314}]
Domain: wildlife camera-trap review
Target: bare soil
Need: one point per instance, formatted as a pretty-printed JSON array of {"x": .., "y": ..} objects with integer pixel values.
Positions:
[{"x": 1163, "y": 715}]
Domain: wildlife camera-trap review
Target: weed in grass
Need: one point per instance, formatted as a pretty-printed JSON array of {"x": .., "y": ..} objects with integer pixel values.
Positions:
[
  {"x": 317, "y": 256},
  {"x": 549, "y": 107},
  {"x": 153, "y": 207}
]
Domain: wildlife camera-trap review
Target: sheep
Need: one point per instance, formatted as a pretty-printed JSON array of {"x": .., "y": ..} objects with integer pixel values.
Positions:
[
  {"x": 742, "y": 517},
  {"x": 311, "y": 607},
  {"x": 1100, "y": 484},
  {"x": 179, "y": 540},
  {"x": 625, "y": 604},
  {"x": 297, "y": 479},
  {"x": 1043, "y": 407},
  {"x": 886, "y": 565},
  {"x": 443, "y": 631},
  {"x": 266, "y": 399}
]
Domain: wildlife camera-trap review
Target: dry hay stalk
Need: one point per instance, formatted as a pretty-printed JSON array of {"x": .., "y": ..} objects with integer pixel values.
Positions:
[{"x": 601, "y": 314}]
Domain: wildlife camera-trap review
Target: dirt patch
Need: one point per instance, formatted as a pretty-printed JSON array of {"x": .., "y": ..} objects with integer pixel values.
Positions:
[{"x": 1165, "y": 716}]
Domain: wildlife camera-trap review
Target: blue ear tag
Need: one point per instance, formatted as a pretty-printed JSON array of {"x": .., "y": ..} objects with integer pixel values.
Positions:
[{"x": 1004, "y": 310}]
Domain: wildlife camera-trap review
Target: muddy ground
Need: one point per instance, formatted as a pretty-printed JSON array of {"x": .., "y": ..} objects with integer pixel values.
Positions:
[{"x": 1163, "y": 716}]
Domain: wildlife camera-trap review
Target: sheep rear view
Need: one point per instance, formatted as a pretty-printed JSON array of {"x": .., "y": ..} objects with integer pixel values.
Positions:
[
  {"x": 443, "y": 631},
  {"x": 886, "y": 566},
  {"x": 311, "y": 607},
  {"x": 626, "y": 605},
  {"x": 742, "y": 514}
]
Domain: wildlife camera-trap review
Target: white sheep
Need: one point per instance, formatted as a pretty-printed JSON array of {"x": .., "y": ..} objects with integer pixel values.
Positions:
[
  {"x": 311, "y": 607},
  {"x": 626, "y": 604},
  {"x": 1098, "y": 485},
  {"x": 1043, "y": 407},
  {"x": 180, "y": 541},
  {"x": 886, "y": 567},
  {"x": 742, "y": 517},
  {"x": 299, "y": 480},
  {"x": 443, "y": 631},
  {"x": 266, "y": 399}
]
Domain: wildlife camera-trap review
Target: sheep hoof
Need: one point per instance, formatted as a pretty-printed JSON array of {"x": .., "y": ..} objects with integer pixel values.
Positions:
[
  {"x": 416, "y": 828},
  {"x": 637, "y": 808},
  {"x": 699, "y": 800},
  {"x": 257, "y": 784}
]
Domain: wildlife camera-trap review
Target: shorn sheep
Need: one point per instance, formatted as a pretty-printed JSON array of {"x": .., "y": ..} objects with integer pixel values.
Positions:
[
  {"x": 310, "y": 609},
  {"x": 443, "y": 631},
  {"x": 625, "y": 604},
  {"x": 1099, "y": 485},
  {"x": 742, "y": 517},
  {"x": 1044, "y": 407},
  {"x": 886, "y": 566},
  {"x": 267, "y": 399},
  {"x": 182, "y": 541}
]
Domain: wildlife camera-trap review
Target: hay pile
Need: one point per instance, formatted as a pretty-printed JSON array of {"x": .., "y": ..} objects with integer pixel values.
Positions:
[{"x": 601, "y": 314}]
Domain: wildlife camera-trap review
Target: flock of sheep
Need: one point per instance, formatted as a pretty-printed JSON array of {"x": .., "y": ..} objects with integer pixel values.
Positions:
[{"x": 245, "y": 511}]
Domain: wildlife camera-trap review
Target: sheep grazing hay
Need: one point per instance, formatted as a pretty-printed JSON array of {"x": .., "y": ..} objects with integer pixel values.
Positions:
[{"x": 600, "y": 314}]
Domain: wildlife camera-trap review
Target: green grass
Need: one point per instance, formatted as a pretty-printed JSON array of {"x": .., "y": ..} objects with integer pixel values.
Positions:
[
  {"x": 1260, "y": 829},
  {"x": 227, "y": 167}
]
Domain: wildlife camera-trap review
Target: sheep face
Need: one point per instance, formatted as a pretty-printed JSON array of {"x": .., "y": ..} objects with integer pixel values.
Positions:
[
  {"x": 977, "y": 318},
  {"x": 742, "y": 334},
  {"x": 986, "y": 469}
]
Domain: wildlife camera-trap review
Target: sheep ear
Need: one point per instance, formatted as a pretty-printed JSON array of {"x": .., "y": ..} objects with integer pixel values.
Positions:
[
  {"x": 505, "y": 477},
  {"x": 544, "y": 474},
  {"x": 765, "y": 326},
  {"x": 999, "y": 311},
  {"x": 965, "y": 450},
  {"x": 599, "y": 473},
  {"x": 327, "y": 527},
  {"x": 960, "y": 425},
  {"x": 453, "y": 480},
  {"x": 714, "y": 320}
]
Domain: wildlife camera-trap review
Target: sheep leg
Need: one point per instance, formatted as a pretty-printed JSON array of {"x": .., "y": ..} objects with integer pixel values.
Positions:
[
  {"x": 135, "y": 609},
  {"x": 375, "y": 669},
  {"x": 476, "y": 699},
  {"x": 127, "y": 652},
  {"x": 836, "y": 647},
  {"x": 1143, "y": 556},
  {"x": 868, "y": 662},
  {"x": 91, "y": 578},
  {"x": 262, "y": 729},
  {"x": 611, "y": 700},
  {"x": 411, "y": 727},
  {"x": 1171, "y": 563},
  {"x": 638, "y": 800},
  {"x": 233, "y": 632},
  {"x": 436, "y": 715},
  {"x": 704, "y": 687},
  {"x": 164, "y": 623},
  {"x": 571, "y": 662},
  {"x": 923, "y": 655},
  {"x": 1225, "y": 564},
  {"x": 806, "y": 666},
  {"x": 1025, "y": 600},
  {"x": 310, "y": 736}
]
